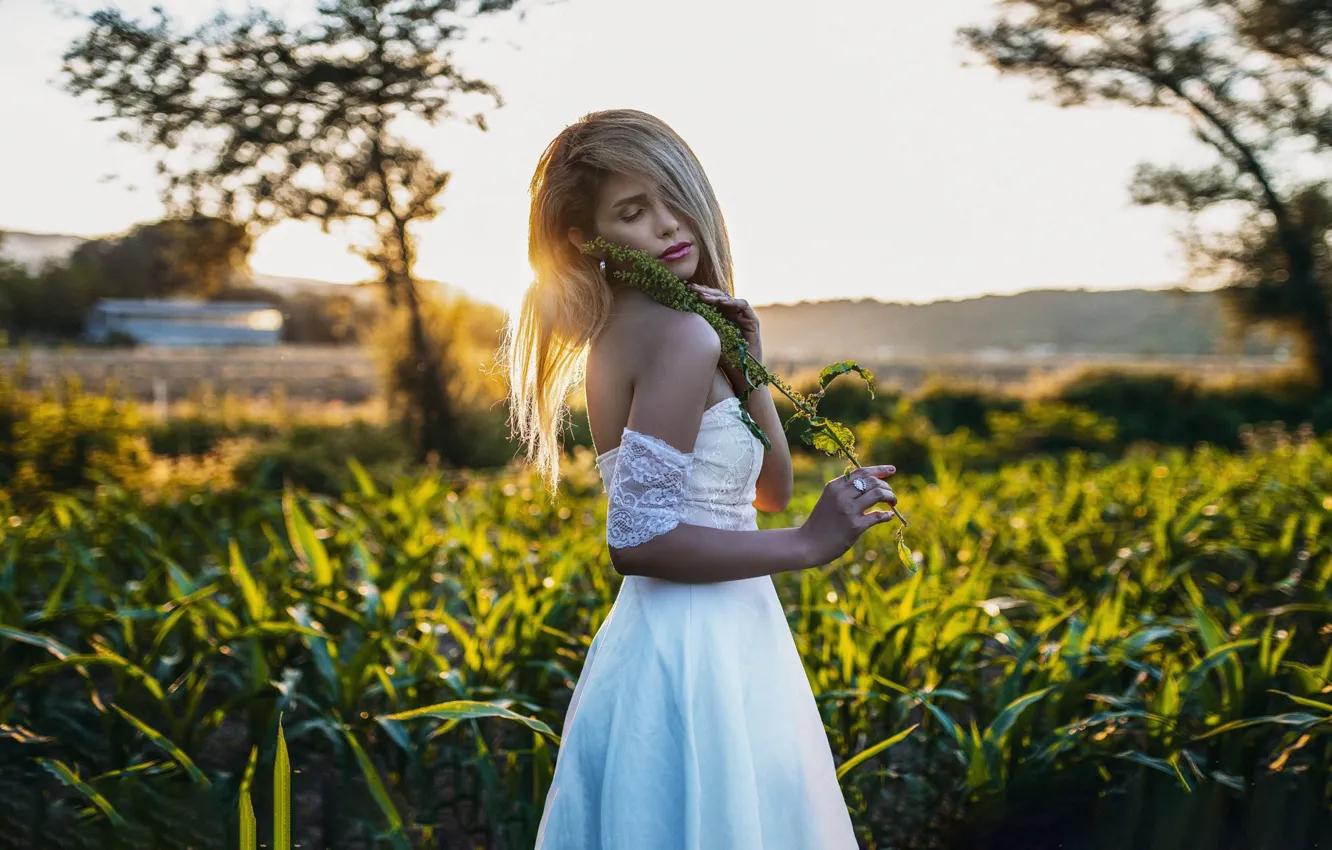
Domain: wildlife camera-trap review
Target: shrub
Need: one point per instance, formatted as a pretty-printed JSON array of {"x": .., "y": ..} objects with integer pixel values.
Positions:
[
  {"x": 64, "y": 438},
  {"x": 316, "y": 457}
]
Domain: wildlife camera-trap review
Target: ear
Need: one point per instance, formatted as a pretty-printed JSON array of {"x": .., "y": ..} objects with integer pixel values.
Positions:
[{"x": 576, "y": 237}]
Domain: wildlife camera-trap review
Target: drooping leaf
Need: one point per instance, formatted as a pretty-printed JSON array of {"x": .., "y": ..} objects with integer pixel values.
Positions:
[
  {"x": 166, "y": 744},
  {"x": 467, "y": 709},
  {"x": 851, "y": 763},
  {"x": 378, "y": 791},
  {"x": 825, "y": 442},
  {"x": 904, "y": 553},
  {"x": 66, "y": 775},
  {"x": 841, "y": 368}
]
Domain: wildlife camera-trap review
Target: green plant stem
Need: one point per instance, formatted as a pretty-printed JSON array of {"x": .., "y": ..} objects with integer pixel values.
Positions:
[{"x": 804, "y": 407}]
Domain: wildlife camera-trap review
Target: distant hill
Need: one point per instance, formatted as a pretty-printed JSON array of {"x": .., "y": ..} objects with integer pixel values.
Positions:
[
  {"x": 32, "y": 250},
  {"x": 1142, "y": 322},
  {"x": 289, "y": 286}
]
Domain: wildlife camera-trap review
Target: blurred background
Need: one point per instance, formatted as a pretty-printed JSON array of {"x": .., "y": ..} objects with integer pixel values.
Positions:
[{"x": 255, "y": 259}]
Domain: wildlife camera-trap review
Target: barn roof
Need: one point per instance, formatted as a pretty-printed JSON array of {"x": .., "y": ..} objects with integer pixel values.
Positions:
[{"x": 178, "y": 306}]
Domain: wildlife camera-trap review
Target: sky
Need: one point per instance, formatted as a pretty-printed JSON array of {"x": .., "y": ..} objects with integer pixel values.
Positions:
[{"x": 857, "y": 149}]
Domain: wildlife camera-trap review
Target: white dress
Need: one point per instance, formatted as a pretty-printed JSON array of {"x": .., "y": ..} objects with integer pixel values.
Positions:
[{"x": 693, "y": 725}]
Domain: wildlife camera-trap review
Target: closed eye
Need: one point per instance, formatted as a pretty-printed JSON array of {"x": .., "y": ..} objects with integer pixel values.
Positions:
[{"x": 633, "y": 217}]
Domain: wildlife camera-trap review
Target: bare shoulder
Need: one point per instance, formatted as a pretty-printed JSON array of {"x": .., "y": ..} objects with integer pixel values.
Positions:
[
  {"x": 642, "y": 337},
  {"x": 673, "y": 334},
  {"x": 652, "y": 369}
]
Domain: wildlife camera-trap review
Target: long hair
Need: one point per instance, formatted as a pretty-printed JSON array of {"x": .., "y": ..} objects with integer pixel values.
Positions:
[{"x": 568, "y": 302}]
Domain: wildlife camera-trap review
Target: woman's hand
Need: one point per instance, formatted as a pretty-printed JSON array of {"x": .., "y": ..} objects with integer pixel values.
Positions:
[
  {"x": 738, "y": 311},
  {"x": 839, "y": 517}
]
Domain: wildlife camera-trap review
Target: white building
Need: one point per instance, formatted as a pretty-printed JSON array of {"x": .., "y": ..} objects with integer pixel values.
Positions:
[{"x": 181, "y": 322}]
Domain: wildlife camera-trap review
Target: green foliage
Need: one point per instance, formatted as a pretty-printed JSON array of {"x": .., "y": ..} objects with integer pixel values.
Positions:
[
  {"x": 1048, "y": 428},
  {"x": 196, "y": 256},
  {"x": 1172, "y": 409},
  {"x": 315, "y": 457},
  {"x": 64, "y": 438},
  {"x": 1108, "y": 652},
  {"x": 950, "y": 407},
  {"x": 471, "y": 419},
  {"x": 295, "y": 121}
]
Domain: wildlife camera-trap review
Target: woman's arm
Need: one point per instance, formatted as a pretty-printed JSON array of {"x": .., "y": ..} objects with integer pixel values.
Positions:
[{"x": 776, "y": 480}]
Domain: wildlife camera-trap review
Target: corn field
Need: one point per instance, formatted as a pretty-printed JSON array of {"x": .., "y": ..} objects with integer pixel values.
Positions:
[{"x": 1130, "y": 655}]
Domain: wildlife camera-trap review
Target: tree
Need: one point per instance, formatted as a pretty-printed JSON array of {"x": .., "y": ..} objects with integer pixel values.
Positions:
[
  {"x": 199, "y": 256},
  {"x": 1254, "y": 77},
  {"x": 299, "y": 122}
]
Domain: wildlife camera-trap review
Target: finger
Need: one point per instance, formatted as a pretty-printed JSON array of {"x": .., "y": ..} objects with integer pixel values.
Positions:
[
  {"x": 873, "y": 518},
  {"x": 875, "y": 495},
  {"x": 880, "y": 471}
]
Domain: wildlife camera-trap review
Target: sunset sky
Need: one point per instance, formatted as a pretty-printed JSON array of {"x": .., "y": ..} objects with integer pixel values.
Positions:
[{"x": 854, "y": 152}]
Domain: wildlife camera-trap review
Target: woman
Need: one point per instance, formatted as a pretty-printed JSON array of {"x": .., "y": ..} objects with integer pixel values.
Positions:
[{"x": 692, "y": 724}]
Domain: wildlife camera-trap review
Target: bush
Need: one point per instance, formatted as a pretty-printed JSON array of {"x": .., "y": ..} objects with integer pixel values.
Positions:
[
  {"x": 64, "y": 439},
  {"x": 950, "y": 407},
  {"x": 199, "y": 435},
  {"x": 316, "y": 457},
  {"x": 1048, "y": 428},
  {"x": 907, "y": 440},
  {"x": 1166, "y": 408}
]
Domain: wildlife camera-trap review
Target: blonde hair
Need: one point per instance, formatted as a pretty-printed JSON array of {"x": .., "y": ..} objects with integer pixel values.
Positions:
[{"x": 568, "y": 302}]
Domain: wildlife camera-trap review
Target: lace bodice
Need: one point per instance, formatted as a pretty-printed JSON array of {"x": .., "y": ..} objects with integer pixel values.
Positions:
[{"x": 719, "y": 485}]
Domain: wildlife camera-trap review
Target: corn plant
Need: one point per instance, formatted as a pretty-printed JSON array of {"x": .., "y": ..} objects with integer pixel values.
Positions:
[{"x": 1139, "y": 647}]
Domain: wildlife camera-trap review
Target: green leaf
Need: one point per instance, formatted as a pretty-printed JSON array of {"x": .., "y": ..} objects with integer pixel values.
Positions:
[
  {"x": 1166, "y": 766},
  {"x": 841, "y": 368},
  {"x": 378, "y": 791},
  {"x": 1306, "y": 702},
  {"x": 1212, "y": 634},
  {"x": 249, "y": 830},
  {"x": 51, "y": 645},
  {"x": 70, "y": 778},
  {"x": 110, "y": 659},
  {"x": 755, "y": 429},
  {"x": 308, "y": 547},
  {"x": 998, "y": 730},
  {"x": 1289, "y": 719},
  {"x": 824, "y": 442},
  {"x": 165, "y": 744},
  {"x": 362, "y": 477},
  {"x": 904, "y": 553},
  {"x": 240, "y": 574},
  {"x": 281, "y": 793},
  {"x": 851, "y": 763},
  {"x": 466, "y": 709}
]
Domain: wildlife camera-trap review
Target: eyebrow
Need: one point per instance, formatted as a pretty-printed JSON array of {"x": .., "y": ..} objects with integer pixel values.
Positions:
[{"x": 640, "y": 198}]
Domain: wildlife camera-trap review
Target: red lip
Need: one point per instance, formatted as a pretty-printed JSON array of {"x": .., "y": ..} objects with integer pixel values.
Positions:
[{"x": 676, "y": 251}]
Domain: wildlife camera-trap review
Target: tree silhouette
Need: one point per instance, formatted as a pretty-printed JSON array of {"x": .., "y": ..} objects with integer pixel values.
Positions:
[
  {"x": 200, "y": 256},
  {"x": 1254, "y": 77},
  {"x": 282, "y": 121}
]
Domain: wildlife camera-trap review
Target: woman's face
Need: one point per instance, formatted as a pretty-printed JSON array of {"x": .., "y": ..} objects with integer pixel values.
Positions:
[{"x": 630, "y": 214}]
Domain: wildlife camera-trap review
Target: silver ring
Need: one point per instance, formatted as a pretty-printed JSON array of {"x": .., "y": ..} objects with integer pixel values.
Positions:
[{"x": 859, "y": 484}]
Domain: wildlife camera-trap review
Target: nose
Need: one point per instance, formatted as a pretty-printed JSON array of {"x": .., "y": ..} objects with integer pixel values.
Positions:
[{"x": 669, "y": 224}]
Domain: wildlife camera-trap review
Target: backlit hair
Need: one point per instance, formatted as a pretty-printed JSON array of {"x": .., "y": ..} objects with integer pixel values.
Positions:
[{"x": 545, "y": 343}]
